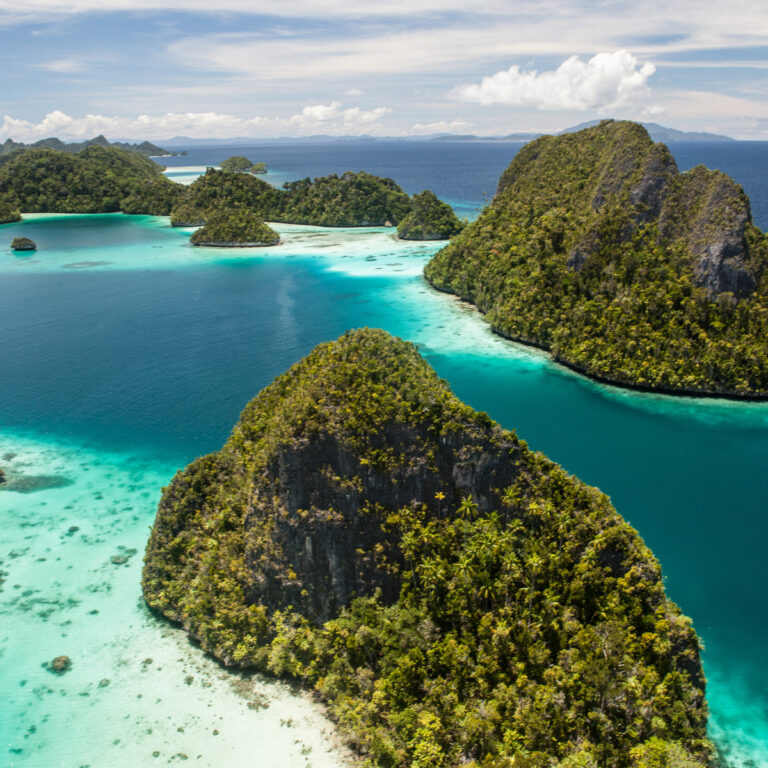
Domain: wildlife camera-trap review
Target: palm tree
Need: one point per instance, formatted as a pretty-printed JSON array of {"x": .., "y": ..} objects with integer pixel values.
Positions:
[{"x": 533, "y": 563}]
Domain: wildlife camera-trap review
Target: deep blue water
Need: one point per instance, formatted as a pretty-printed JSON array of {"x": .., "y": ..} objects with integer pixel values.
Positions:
[
  {"x": 162, "y": 360},
  {"x": 467, "y": 172}
]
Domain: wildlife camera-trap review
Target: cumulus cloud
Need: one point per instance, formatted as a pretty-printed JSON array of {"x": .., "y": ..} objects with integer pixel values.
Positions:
[
  {"x": 322, "y": 114},
  {"x": 606, "y": 82},
  {"x": 332, "y": 118}
]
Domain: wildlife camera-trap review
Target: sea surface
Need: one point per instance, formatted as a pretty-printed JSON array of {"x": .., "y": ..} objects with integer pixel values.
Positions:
[{"x": 126, "y": 353}]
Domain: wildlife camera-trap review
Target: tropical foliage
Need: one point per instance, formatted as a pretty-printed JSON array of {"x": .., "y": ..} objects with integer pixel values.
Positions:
[
  {"x": 241, "y": 164},
  {"x": 96, "y": 180},
  {"x": 8, "y": 213},
  {"x": 597, "y": 249},
  {"x": 528, "y": 625},
  {"x": 430, "y": 219},
  {"x": 235, "y": 227},
  {"x": 349, "y": 200}
]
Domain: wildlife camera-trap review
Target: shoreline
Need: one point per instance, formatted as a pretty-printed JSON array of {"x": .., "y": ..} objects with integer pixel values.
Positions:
[{"x": 607, "y": 380}]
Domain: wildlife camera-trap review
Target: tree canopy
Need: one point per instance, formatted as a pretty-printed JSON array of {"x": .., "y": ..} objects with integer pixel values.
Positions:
[{"x": 596, "y": 248}]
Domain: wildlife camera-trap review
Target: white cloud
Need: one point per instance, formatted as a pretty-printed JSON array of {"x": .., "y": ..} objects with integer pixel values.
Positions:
[
  {"x": 607, "y": 81},
  {"x": 332, "y": 118},
  {"x": 289, "y": 8},
  {"x": 322, "y": 115},
  {"x": 64, "y": 66},
  {"x": 442, "y": 126}
]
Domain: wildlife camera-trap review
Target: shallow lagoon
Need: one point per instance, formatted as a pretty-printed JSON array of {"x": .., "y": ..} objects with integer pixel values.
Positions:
[{"x": 127, "y": 353}]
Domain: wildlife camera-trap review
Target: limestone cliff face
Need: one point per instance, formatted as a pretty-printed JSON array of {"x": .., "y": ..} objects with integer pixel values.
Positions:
[
  {"x": 312, "y": 481},
  {"x": 597, "y": 248},
  {"x": 710, "y": 214},
  {"x": 315, "y": 535}
]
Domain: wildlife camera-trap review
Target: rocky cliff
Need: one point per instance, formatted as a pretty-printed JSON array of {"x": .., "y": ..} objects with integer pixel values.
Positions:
[
  {"x": 365, "y": 532},
  {"x": 597, "y": 248}
]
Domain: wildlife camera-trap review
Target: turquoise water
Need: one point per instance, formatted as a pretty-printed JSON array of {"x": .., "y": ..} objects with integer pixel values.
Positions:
[{"x": 126, "y": 352}]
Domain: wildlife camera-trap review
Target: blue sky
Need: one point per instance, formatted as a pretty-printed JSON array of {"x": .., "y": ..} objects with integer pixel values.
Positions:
[{"x": 159, "y": 68}]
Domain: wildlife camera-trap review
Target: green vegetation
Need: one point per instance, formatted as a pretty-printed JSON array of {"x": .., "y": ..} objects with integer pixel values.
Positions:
[
  {"x": 8, "y": 213},
  {"x": 430, "y": 219},
  {"x": 241, "y": 164},
  {"x": 456, "y": 598},
  {"x": 187, "y": 215},
  {"x": 237, "y": 227},
  {"x": 219, "y": 191},
  {"x": 349, "y": 200},
  {"x": 145, "y": 148},
  {"x": 597, "y": 249},
  {"x": 103, "y": 179},
  {"x": 95, "y": 180}
]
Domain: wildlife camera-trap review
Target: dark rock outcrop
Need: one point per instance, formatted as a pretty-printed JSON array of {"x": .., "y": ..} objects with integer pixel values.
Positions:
[
  {"x": 710, "y": 214},
  {"x": 23, "y": 244},
  {"x": 314, "y": 507},
  {"x": 60, "y": 665}
]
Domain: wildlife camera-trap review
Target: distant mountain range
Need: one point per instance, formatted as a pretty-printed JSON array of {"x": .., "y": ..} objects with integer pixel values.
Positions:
[
  {"x": 145, "y": 148},
  {"x": 657, "y": 133}
]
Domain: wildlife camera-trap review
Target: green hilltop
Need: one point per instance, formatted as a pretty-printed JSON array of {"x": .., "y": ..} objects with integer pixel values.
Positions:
[
  {"x": 101, "y": 179},
  {"x": 350, "y": 200},
  {"x": 241, "y": 164},
  {"x": 145, "y": 148},
  {"x": 455, "y": 598},
  {"x": 94, "y": 180},
  {"x": 598, "y": 249},
  {"x": 235, "y": 228},
  {"x": 429, "y": 219}
]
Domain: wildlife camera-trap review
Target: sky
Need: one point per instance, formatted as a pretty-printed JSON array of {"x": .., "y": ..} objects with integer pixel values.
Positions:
[{"x": 154, "y": 69}]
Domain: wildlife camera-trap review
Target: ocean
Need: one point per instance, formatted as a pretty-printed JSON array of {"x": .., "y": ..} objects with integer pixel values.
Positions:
[{"x": 126, "y": 353}]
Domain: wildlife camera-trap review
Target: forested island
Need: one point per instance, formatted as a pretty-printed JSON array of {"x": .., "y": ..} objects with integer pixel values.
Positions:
[
  {"x": 454, "y": 597},
  {"x": 145, "y": 148},
  {"x": 429, "y": 219},
  {"x": 104, "y": 180},
  {"x": 599, "y": 250},
  {"x": 95, "y": 180},
  {"x": 238, "y": 228},
  {"x": 241, "y": 164},
  {"x": 349, "y": 200}
]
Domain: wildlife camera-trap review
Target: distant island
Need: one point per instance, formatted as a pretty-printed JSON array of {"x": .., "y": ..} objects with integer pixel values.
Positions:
[
  {"x": 599, "y": 250},
  {"x": 235, "y": 228},
  {"x": 144, "y": 148},
  {"x": 241, "y": 164},
  {"x": 456, "y": 599},
  {"x": 100, "y": 179},
  {"x": 349, "y": 200},
  {"x": 655, "y": 131}
]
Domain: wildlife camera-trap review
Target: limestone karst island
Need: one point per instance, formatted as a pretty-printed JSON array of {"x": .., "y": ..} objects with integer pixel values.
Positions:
[
  {"x": 456, "y": 598},
  {"x": 596, "y": 248},
  {"x": 451, "y": 596}
]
